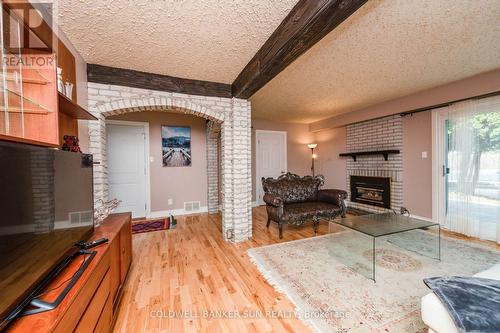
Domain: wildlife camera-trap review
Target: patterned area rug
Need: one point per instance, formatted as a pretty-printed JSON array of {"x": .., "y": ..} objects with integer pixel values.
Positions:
[
  {"x": 150, "y": 225},
  {"x": 333, "y": 297}
]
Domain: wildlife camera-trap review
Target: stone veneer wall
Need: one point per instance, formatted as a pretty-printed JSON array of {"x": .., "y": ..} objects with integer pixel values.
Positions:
[
  {"x": 377, "y": 134},
  {"x": 233, "y": 115}
]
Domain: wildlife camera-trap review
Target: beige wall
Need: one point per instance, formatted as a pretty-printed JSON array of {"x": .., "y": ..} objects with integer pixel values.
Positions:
[
  {"x": 178, "y": 183},
  {"x": 298, "y": 155},
  {"x": 417, "y": 171}
]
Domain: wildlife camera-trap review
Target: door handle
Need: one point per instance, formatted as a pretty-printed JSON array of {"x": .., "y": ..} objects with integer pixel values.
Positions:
[{"x": 446, "y": 170}]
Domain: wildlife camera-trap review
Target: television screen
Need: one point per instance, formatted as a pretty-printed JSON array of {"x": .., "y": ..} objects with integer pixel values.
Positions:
[{"x": 46, "y": 205}]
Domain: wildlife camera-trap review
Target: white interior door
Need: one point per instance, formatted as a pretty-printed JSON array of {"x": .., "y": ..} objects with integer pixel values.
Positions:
[
  {"x": 126, "y": 148},
  {"x": 271, "y": 158}
]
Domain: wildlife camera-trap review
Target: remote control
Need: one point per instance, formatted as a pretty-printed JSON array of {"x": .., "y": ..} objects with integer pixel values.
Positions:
[{"x": 94, "y": 243}]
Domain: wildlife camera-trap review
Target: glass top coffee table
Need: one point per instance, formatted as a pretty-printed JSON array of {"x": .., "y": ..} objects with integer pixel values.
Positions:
[{"x": 384, "y": 228}]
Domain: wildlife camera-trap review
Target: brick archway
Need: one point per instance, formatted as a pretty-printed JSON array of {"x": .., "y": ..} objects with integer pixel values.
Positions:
[
  {"x": 140, "y": 104},
  {"x": 228, "y": 125}
]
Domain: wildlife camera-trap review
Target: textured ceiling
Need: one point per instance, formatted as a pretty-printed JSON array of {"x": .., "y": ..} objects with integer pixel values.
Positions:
[
  {"x": 387, "y": 49},
  {"x": 208, "y": 40}
]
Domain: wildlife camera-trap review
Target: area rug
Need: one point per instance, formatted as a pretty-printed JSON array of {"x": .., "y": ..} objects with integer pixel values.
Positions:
[
  {"x": 150, "y": 225},
  {"x": 331, "y": 295}
]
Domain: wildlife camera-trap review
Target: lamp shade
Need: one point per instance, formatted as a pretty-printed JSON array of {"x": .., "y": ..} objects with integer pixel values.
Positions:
[{"x": 312, "y": 145}]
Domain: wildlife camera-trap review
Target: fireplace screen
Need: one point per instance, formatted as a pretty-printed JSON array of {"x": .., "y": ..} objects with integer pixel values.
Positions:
[{"x": 375, "y": 191}]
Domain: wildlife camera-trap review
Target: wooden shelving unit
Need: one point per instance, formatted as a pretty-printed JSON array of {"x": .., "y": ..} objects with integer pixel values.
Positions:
[
  {"x": 32, "y": 110},
  {"x": 73, "y": 110}
]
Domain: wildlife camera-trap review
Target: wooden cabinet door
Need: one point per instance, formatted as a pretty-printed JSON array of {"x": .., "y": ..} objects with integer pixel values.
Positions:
[
  {"x": 125, "y": 250},
  {"x": 105, "y": 319},
  {"x": 114, "y": 269}
]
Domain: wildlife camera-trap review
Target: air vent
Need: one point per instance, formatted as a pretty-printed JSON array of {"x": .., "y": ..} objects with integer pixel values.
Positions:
[
  {"x": 192, "y": 206},
  {"x": 80, "y": 217}
]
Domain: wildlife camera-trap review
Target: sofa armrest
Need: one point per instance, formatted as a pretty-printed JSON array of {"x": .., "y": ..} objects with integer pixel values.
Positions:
[
  {"x": 336, "y": 197},
  {"x": 273, "y": 200}
]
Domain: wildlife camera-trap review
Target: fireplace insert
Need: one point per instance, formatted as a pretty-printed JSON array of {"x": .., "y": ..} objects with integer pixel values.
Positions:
[{"x": 375, "y": 191}]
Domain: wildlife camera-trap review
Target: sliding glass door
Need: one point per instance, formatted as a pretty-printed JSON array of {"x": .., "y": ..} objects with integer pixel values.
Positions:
[{"x": 469, "y": 167}]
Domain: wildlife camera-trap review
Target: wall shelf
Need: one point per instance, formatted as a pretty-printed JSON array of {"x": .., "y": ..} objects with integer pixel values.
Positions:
[
  {"x": 384, "y": 153},
  {"x": 72, "y": 109},
  {"x": 15, "y": 109},
  {"x": 28, "y": 80}
]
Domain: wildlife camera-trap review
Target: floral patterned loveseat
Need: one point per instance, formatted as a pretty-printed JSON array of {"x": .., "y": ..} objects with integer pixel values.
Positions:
[{"x": 295, "y": 200}]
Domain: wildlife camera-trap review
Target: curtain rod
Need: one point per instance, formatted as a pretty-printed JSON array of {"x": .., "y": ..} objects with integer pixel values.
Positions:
[{"x": 435, "y": 106}]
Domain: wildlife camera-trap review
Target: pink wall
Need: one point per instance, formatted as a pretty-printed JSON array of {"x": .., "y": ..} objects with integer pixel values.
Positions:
[
  {"x": 298, "y": 136},
  {"x": 328, "y": 163},
  {"x": 179, "y": 183},
  {"x": 417, "y": 171}
]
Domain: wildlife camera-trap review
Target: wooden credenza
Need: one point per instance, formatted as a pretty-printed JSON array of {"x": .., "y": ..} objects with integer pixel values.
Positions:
[{"x": 92, "y": 303}]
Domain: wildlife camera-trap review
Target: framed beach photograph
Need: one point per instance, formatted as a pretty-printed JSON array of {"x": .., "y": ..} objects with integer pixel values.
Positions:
[{"x": 176, "y": 146}]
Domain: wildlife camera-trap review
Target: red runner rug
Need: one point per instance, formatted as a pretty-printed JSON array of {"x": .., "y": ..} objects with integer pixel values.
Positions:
[{"x": 150, "y": 225}]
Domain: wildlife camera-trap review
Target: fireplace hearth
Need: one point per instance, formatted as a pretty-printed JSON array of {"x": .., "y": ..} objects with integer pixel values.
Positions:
[{"x": 374, "y": 191}]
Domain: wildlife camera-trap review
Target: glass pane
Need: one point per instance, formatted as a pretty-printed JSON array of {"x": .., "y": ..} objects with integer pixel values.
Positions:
[
  {"x": 473, "y": 184},
  {"x": 424, "y": 242},
  {"x": 383, "y": 224},
  {"x": 354, "y": 250},
  {"x": 13, "y": 97},
  {"x": 3, "y": 109}
]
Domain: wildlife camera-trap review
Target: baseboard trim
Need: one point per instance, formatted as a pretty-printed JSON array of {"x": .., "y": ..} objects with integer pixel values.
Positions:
[
  {"x": 422, "y": 218},
  {"x": 175, "y": 212}
]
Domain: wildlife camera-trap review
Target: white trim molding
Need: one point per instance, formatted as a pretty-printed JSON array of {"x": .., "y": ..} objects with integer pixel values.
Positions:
[{"x": 175, "y": 212}]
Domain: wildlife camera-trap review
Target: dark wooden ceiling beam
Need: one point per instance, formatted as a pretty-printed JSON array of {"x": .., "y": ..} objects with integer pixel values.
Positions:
[
  {"x": 307, "y": 23},
  {"x": 136, "y": 79}
]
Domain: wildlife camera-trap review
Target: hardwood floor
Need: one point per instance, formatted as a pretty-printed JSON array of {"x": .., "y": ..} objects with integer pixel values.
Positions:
[{"x": 191, "y": 270}]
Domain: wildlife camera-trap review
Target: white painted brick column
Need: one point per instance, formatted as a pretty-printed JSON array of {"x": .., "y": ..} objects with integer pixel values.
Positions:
[
  {"x": 234, "y": 117},
  {"x": 236, "y": 172},
  {"x": 213, "y": 137}
]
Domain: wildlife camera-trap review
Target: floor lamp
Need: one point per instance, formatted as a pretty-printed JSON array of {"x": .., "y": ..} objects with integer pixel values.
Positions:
[{"x": 313, "y": 155}]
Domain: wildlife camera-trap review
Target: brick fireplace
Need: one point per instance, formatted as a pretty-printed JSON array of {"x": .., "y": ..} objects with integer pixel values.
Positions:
[{"x": 374, "y": 135}]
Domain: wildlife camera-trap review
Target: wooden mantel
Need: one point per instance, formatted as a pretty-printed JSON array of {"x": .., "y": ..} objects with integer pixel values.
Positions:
[{"x": 384, "y": 153}]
